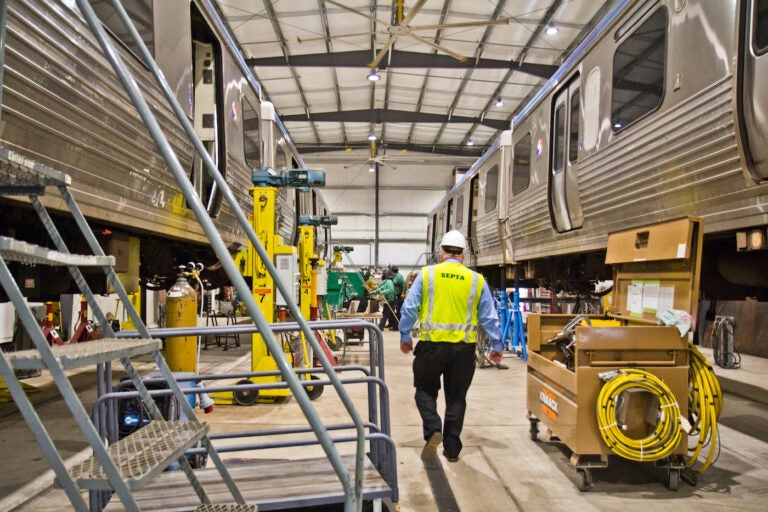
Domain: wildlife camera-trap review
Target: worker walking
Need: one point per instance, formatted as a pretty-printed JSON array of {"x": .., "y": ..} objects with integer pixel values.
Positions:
[
  {"x": 387, "y": 290},
  {"x": 452, "y": 302}
]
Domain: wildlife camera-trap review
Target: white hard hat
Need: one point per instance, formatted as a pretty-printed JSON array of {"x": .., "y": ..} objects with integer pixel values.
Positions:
[{"x": 454, "y": 239}]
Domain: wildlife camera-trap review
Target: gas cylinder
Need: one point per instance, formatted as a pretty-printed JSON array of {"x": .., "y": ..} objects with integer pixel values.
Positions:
[{"x": 181, "y": 311}]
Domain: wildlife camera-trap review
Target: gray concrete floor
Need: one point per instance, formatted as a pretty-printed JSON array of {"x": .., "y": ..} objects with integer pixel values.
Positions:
[{"x": 501, "y": 468}]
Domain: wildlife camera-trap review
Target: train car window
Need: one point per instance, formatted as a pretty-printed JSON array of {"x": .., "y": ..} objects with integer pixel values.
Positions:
[
  {"x": 460, "y": 211},
  {"x": 573, "y": 143},
  {"x": 521, "y": 165},
  {"x": 140, "y": 12},
  {"x": 448, "y": 218},
  {"x": 559, "y": 135},
  {"x": 431, "y": 232},
  {"x": 639, "y": 66},
  {"x": 761, "y": 27},
  {"x": 251, "y": 136},
  {"x": 491, "y": 188}
]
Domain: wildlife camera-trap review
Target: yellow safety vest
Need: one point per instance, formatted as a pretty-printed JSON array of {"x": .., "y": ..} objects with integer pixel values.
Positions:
[{"x": 449, "y": 299}]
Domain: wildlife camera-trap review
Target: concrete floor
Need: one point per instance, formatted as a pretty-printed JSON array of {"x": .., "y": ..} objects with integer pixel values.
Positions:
[{"x": 501, "y": 468}]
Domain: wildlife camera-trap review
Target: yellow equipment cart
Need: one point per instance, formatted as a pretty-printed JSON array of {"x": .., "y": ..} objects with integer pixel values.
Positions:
[{"x": 618, "y": 384}]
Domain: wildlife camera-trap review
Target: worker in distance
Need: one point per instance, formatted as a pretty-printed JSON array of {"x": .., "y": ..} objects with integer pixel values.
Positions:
[{"x": 451, "y": 302}]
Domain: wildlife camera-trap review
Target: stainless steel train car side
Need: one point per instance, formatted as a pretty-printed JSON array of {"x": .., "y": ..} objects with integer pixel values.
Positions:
[
  {"x": 660, "y": 113},
  {"x": 472, "y": 207},
  {"x": 64, "y": 106}
]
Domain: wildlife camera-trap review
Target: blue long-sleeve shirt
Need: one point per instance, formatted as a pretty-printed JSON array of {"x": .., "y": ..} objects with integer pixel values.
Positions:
[{"x": 486, "y": 312}]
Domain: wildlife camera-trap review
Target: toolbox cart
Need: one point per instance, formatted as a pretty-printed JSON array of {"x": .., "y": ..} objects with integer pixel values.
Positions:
[{"x": 618, "y": 384}]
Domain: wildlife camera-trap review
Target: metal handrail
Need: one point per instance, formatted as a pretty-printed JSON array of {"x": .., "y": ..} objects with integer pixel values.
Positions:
[{"x": 353, "y": 492}]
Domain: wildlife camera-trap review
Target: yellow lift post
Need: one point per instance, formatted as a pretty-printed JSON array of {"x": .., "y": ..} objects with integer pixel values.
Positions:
[{"x": 264, "y": 224}]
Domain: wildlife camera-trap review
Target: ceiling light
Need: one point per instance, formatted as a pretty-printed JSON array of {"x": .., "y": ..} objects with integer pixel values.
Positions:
[
  {"x": 374, "y": 76},
  {"x": 372, "y": 136},
  {"x": 499, "y": 102},
  {"x": 552, "y": 30},
  {"x": 371, "y": 169},
  {"x": 470, "y": 143}
]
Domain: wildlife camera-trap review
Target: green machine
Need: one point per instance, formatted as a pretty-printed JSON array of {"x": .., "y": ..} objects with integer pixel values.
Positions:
[{"x": 343, "y": 286}]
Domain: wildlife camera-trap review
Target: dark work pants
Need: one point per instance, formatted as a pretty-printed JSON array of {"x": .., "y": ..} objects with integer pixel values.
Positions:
[{"x": 455, "y": 362}]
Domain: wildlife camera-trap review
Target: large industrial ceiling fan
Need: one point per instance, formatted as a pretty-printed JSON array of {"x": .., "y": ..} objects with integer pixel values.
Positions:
[
  {"x": 376, "y": 159},
  {"x": 403, "y": 28}
]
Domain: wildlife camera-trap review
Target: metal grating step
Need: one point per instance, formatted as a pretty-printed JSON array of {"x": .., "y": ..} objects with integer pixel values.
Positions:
[
  {"x": 213, "y": 507},
  {"x": 89, "y": 353},
  {"x": 142, "y": 455},
  {"x": 30, "y": 254},
  {"x": 19, "y": 174}
]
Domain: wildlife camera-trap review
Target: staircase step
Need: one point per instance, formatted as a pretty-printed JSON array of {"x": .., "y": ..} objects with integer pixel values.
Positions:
[
  {"x": 89, "y": 353},
  {"x": 19, "y": 172},
  {"x": 142, "y": 455},
  {"x": 30, "y": 254},
  {"x": 213, "y": 507}
]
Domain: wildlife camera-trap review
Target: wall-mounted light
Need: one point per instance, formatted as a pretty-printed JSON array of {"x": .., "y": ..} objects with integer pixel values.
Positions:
[
  {"x": 499, "y": 102},
  {"x": 374, "y": 75},
  {"x": 552, "y": 30}
]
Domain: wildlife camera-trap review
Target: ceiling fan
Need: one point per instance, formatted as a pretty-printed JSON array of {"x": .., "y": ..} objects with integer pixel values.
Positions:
[
  {"x": 403, "y": 28},
  {"x": 376, "y": 159}
]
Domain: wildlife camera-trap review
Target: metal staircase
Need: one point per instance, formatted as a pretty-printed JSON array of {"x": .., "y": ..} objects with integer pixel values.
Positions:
[{"x": 132, "y": 462}]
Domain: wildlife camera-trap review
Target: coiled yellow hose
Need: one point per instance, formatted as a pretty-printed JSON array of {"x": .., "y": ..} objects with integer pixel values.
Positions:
[
  {"x": 705, "y": 401},
  {"x": 659, "y": 443}
]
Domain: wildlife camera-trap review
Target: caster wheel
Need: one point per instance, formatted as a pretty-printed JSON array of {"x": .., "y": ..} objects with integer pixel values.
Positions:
[
  {"x": 585, "y": 479},
  {"x": 534, "y": 430},
  {"x": 315, "y": 391},
  {"x": 245, "y": 396},
  {"x": 673, "y": 479}
]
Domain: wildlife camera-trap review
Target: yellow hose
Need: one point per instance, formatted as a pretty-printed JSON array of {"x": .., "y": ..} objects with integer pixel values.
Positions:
[
  {"x": 664, "y": 438},
  {"x": 705, "y": 399}
]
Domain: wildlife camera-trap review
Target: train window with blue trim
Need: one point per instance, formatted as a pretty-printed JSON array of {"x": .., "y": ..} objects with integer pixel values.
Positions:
[
  {"x": 521, "y": 165},
  {"x": 639, "y": 69},
  {"x": 491, "y": 188},
  {"x": 761, "y": 27}
]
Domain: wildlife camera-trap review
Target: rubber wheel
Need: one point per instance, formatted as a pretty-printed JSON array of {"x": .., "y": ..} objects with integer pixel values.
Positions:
[
  {"x": 673, "y": 479},
  {"x": 585, "y": 479},
  {"x": 245, "y": 396},
  {"x": 314, "y": 392},
  {"x": 534, "y": 430},
  {"x": 334, "y": 343}
]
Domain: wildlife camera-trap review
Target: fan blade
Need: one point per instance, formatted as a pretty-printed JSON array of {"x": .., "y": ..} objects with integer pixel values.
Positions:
[
  {"x": 331, "y": 38},
  {"x": 349, "y": 9},
  {"x": 462, "y": 24},
  {"x": 413, "y": 11},
  {"x": 439, "y": 48},
  {"x": 375, "y": 62}
]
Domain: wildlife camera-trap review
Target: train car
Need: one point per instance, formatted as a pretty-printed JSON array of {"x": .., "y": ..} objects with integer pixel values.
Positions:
[
  {"x": 658, "y": 114},
  {"x": 63, "y": 106}
]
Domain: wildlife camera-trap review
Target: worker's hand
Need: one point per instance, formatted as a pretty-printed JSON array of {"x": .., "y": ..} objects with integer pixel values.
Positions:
[
  {"x": 496, "y": 357},
  {"x": 406, "y": 347}
]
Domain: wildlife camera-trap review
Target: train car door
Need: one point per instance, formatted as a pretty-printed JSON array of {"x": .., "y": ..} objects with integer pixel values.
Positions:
[
  {"x": 754, "y": 98},
  {"x": 474, "y": 190},
  {"x": 564, "y": 202}
]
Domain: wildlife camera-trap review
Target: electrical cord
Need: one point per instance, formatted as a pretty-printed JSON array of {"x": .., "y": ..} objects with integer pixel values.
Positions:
[
  {"x": 667, "y": 434},
  {"x": 705, "y": 403}
]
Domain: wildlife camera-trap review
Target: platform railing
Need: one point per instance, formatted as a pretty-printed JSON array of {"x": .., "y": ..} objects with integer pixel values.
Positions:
[{"x": 353, "y": 489}]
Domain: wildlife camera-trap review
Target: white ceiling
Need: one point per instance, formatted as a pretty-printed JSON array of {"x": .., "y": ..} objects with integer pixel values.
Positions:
[{"x": 312, "y": 57}]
